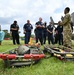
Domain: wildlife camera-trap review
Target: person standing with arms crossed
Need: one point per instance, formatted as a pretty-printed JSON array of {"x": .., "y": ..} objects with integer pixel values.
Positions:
[
  {"x": 14, "y": 32},
  {"x": 39, "y": 31}
]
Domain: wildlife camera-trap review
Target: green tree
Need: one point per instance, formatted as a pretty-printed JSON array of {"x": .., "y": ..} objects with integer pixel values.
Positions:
[{"x": 7, "y": 35}]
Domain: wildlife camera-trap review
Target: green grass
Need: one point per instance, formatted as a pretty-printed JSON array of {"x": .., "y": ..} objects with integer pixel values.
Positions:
[{"x": 50, "y": 66}]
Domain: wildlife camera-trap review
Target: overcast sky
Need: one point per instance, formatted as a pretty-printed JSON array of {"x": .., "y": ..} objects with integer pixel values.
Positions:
[{"x": 22, "y": 10}]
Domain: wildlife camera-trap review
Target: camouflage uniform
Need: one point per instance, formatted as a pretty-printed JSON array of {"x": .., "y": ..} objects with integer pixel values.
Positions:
[{"x": 67, "y": 30}]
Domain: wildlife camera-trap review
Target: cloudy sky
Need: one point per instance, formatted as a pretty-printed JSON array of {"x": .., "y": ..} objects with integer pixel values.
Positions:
[{"x": 22, "y": 10}]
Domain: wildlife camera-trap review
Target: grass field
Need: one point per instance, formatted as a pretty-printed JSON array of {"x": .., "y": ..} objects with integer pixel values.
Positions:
[{"x": 50, "y": 66}]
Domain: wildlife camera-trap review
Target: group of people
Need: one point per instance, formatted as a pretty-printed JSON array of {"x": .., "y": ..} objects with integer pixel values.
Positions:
[
  {"x": 43, "y": 32},
  {"x": 62, "y": 35}
]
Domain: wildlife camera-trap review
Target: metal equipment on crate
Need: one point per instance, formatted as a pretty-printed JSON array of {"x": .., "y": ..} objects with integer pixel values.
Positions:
[{"x": 22, "y": 55}]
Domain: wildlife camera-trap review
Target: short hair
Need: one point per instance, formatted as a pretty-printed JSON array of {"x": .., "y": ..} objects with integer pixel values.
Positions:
[
  {"x": 40, "y": 18},
  {"x": 15, "y": 21},
  {"x": 28, "y": 20},
  {"x": 67, "y": 8}
]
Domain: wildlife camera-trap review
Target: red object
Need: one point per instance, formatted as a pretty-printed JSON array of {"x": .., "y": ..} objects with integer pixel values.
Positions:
[
  {"x": 60, "y": 58},
  {"x": 34, "y": 56},
  {"x": 11, "y": 56},
  {"x": 7, "y": 39},
  {"x": 4, "y": 56},
  {"x": 7, "y": 56},
  {"x": 26, "y": 56},
  {"x": 0, "y": 55},
  {"x": 41, "y": 56}
]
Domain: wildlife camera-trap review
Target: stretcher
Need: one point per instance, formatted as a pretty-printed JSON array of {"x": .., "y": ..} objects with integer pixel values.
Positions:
[
  {"x": 59, "y": 53},
  {"x": 21, "y": 56}
]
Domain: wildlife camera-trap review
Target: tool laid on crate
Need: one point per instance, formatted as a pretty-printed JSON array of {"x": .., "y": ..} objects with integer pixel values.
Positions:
[
  {"x": 22, "y": 55},
  {"x": 59, "y": 53}
]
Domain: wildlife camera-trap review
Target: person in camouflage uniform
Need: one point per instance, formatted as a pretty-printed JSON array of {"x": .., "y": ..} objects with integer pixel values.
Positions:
[{"x": 67, "y": 31}]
